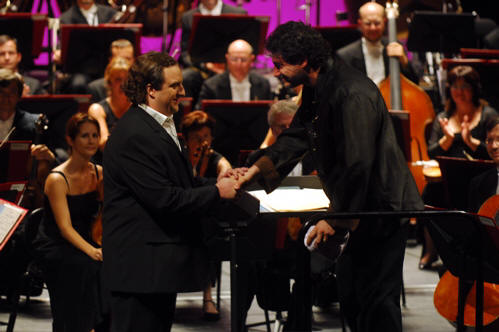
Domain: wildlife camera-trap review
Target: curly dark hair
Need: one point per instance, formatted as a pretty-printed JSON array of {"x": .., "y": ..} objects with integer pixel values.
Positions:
[
  {"x": 491, "y": 123},
  {"x": 196, "y": 120},
  {"x": 296, "y": 42},
  {"x": 470, "y": 76},
  {"x": 146, "y": 70}
]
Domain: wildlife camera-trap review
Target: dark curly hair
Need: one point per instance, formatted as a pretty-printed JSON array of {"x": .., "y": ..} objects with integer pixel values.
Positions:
[
  {"x": 491, "y": 123},
  {"x": 470, "y": 76},
  {"x": 146, "y": 70},
  {"x": 296, "y": 42},
  {"x": 196, "y": 120}
]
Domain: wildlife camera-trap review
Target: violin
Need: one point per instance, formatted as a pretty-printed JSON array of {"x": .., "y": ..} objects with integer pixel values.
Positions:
[
  {"x": 446, "y": 293},
  {"x": 204, "y": 153},
  {"x": 33, "y": 197}
]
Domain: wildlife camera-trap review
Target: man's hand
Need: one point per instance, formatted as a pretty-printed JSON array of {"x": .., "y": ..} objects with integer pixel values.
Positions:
[
  {"x": 233, "y": 173},
  {"x": 394, "y": 49},
  {"x": 42, "y": 152},
  {"x": 247, "y": 176},
  {"x": 320, "y": 233},
  {"x": 227, "y": 188}
]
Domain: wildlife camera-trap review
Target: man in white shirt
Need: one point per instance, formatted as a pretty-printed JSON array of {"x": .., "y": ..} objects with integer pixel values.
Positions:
[
  {"x": 238, "y": 83},
  {"x": 370, "y": 53}
]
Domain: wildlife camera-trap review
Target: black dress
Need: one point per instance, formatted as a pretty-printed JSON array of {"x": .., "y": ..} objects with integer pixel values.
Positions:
[{"x": 72, "y": 277}]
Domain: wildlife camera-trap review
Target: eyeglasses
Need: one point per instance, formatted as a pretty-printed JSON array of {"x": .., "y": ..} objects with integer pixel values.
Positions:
[
  {"x": 491, "y": 141},
  {"x": 239, "y": 58}
]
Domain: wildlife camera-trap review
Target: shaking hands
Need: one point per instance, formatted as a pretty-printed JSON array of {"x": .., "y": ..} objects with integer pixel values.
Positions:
[{"x": 231, "y": 182}]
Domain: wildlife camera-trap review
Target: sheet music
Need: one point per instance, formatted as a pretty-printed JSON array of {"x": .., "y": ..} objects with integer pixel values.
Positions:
[
  {"x": 292, "y": 199},
  {"x": 9, "y": 215}
]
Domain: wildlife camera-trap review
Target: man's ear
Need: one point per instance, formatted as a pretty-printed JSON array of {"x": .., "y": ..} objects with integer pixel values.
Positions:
[{"x": 150, "y": 91}]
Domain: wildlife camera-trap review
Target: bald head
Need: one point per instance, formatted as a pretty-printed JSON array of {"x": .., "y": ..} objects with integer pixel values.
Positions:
[
  {"x": 239, "y": 58},
  {"x": 372, "y": 21}
]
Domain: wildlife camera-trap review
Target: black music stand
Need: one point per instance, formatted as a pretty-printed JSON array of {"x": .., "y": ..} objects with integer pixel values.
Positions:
[
  {"x": 456, "y": 175},
  {"x": 58, "y": 108},
  {"x": 15, "y": 156},
  {"x": 431, "y": 31},
  {"x": 239, "y": 125},
  {"x": 339, "y": 36},
  {"x": 12, "y": 191},
  {"x": 211, "y": 35},
  {"x": 28, "y": 29},
  {"x": 85, "y": 49}
]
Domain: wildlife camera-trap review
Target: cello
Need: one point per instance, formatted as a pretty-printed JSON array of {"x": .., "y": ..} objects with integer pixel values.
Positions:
[
  {"x": 446, "y": 293},
  {"x": 400, "y": 93}
]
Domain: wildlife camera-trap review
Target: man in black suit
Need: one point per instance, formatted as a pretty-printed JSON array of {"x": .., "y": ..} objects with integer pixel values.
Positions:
[
  {"x": 485, "y": 185},
  {"x": 238, "y": 83},
  {"x": 10, "y": 57},
  {"x": 153, "y": 206},
  {"x": 370, "y": 53},
  {"x": 193, "y": 78}
]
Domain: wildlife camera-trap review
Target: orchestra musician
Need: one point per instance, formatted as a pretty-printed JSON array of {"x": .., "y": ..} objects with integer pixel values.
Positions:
[
  {"x": 10, "y": 58},
  {"x": 109, "y": 110},
  {"x": 153, "y": 204},
  {"x": 238, "y": 82},
  {"x": 20, "y": 124},
  {"x": 197, "y": 131},
  {"x": 485, "y": 185},
  {"x": 370, "y": 53},
  {"x": 71, "y": 260},
  {"x": 343, "y": 122},
  {"x": 458, "y": 131},
  {"x": 193, "y": 77}
]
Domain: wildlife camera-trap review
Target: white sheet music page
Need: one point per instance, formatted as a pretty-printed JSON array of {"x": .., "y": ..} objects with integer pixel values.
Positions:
[
  {"x": 9, "y": 215},
  {"x": 292, "y": 199}
]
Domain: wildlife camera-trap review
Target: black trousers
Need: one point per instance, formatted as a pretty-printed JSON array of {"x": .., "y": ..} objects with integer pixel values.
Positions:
[
  {"x": 142, "y": 312},
  {"x": 369, "y": 276}
]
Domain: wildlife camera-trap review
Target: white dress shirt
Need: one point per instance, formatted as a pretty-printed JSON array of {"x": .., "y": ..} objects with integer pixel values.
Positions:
[
  {"x": 91, "y": 15},
  {"x": 241, "y": 91},
  {"x": 373, "y": 56},
  {"x": 165, "y": 121},
  {"x": 217, "y": 10}
]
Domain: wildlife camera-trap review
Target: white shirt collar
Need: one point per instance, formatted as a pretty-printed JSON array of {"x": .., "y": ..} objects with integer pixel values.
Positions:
[
  {"x": 234, "y": 80},
  {"x": 241, "y": 91},
  {"x": 164, "y": 121},
  {"x": 217, "y": 10},
  {"x": 90, "y": 14},
  {"x": 372, "y": 45}
]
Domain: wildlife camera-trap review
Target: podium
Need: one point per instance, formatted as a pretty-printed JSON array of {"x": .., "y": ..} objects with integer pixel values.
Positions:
[
  {"x": 28, "y": 29},
  {"x": 211, "y": 35},
  {"x": 85, "y": 49}
]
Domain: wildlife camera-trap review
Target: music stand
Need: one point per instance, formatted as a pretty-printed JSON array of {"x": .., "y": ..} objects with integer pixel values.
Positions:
[
  {"x": 58, "y": 108},
  {"x": 28, "y": 29},
  {"x": 14, "y": 165},
  {"x": 457, "y": 174},
  {"x": 339, "y": 36},
  {"x": 239, "y": 125},
  {"x": 431, "y": 31},
  {"x": 13, "y": 191},
  {"x": 211, "y": 35},
  {"x": 85, "y": 48}
]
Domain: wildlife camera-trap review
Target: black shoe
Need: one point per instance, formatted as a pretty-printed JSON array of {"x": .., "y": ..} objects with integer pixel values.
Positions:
[{"x": 210, "y": 316}]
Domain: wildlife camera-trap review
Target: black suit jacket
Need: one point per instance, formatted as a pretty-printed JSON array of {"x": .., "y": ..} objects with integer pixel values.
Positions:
[
  {"x": 187, "y": 18},
  {"x": 482, "y": 187},
  {"x": 352, "y": 54},
  {"x": 74, "y": 15},
  {"x": 152, "y": 211},
  {"x": 218, "y": 87}
]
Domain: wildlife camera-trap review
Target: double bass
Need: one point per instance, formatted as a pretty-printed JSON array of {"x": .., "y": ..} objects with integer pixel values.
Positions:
[{"x": 400, "y": 93}]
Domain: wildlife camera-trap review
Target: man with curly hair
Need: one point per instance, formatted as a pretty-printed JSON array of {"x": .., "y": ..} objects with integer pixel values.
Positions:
[
  {"x": 344, "y": 123},
  {"x": 153, "y": 206}
]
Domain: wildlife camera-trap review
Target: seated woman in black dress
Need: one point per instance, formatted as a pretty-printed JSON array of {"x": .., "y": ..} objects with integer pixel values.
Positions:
[
  {"x": 71, "y": 260},
  {"x": 197, "y": 130},
  {"x": 458, "y": 131}
]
